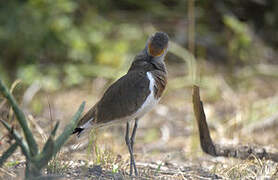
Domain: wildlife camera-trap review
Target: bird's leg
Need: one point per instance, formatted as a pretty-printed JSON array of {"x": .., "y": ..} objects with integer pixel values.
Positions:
[
  {"x": 127, "y": 141},
  {"x": 132, "y": 138},
  {"x": 133, "y": 133}
]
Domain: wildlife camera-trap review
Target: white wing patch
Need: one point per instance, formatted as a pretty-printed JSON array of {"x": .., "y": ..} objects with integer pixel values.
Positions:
[
  {"x": 88, "y": 124},
  {"x": 150, "y": 102},
  {"x": 147, "y": 106}
]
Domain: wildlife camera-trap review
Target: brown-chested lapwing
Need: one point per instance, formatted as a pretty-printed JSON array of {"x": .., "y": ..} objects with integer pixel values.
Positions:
[{"x": 134, "y": 94}]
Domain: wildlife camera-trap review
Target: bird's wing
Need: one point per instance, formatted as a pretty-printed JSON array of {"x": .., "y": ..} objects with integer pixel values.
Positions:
[{"x": 121, "y": 99}]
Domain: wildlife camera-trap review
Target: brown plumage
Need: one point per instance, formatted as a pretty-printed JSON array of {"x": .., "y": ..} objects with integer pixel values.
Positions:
[
  {"x": 127, "y": 94},
  {"x": 134, "y": 94}
]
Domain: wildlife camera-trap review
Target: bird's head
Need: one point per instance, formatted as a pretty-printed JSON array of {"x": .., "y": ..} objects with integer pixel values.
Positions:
[{"x": 157, "y": 45}]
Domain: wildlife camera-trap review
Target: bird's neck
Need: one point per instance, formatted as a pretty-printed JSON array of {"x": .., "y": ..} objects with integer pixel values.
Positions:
[
  {"x": 145, "y": 63},
  {"x": 156, "y": 67}
]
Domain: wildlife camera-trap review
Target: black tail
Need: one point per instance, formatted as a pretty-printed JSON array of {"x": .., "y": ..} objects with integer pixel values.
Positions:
[{"x": 77, "y": 130}]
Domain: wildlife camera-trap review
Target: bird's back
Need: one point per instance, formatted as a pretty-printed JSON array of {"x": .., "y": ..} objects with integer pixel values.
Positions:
[{"x": 131, "y": 96}]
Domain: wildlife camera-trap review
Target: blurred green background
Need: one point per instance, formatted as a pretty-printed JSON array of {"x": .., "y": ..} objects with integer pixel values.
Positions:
[
  {"x": 63, "y": 43},
  {"x": 69, "y": 51}
]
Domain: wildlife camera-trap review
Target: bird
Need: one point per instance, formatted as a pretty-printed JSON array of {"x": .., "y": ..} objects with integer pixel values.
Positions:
[{"x": 133, "y": 95}]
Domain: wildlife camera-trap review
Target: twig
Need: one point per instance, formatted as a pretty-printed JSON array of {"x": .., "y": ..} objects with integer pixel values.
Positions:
[
  {"x": 185, "y": 55},
  {"x": 38, "y": 128},
  {"x": 191, "y": 26},
  {"x": 30, "y": 93},
  {"x": 7, "y": 172},
  {"x": 50, "y": 112},
  {"x": 77, "y": 147},
  {"x": 15, "y": 83}
]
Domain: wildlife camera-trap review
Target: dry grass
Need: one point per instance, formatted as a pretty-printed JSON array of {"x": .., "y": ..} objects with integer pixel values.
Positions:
[{"x": 167, "y": 145}]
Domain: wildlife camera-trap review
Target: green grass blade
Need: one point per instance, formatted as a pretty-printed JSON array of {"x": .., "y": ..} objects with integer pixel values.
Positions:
[
  {"x": 68, "y": 130},
  {"x": 18, "y": 138},
  {"x": 21, "y": 119},
  {"x": 53, "y": 132},
  {"x": 8, "y": 153},
  {"x": 46, "y": 154}
]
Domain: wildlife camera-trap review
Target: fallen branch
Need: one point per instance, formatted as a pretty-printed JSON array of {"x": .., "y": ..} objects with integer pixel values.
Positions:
[
  {"x": 205, "y": 139},
  {"x": 208, "y": 146}
]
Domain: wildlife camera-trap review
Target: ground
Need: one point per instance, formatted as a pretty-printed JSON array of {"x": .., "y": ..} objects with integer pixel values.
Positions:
[{"x": 167, "y": 142}]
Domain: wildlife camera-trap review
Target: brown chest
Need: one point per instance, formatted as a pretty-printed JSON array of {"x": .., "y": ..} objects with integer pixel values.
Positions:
[{"x": 160, "y": 83}]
